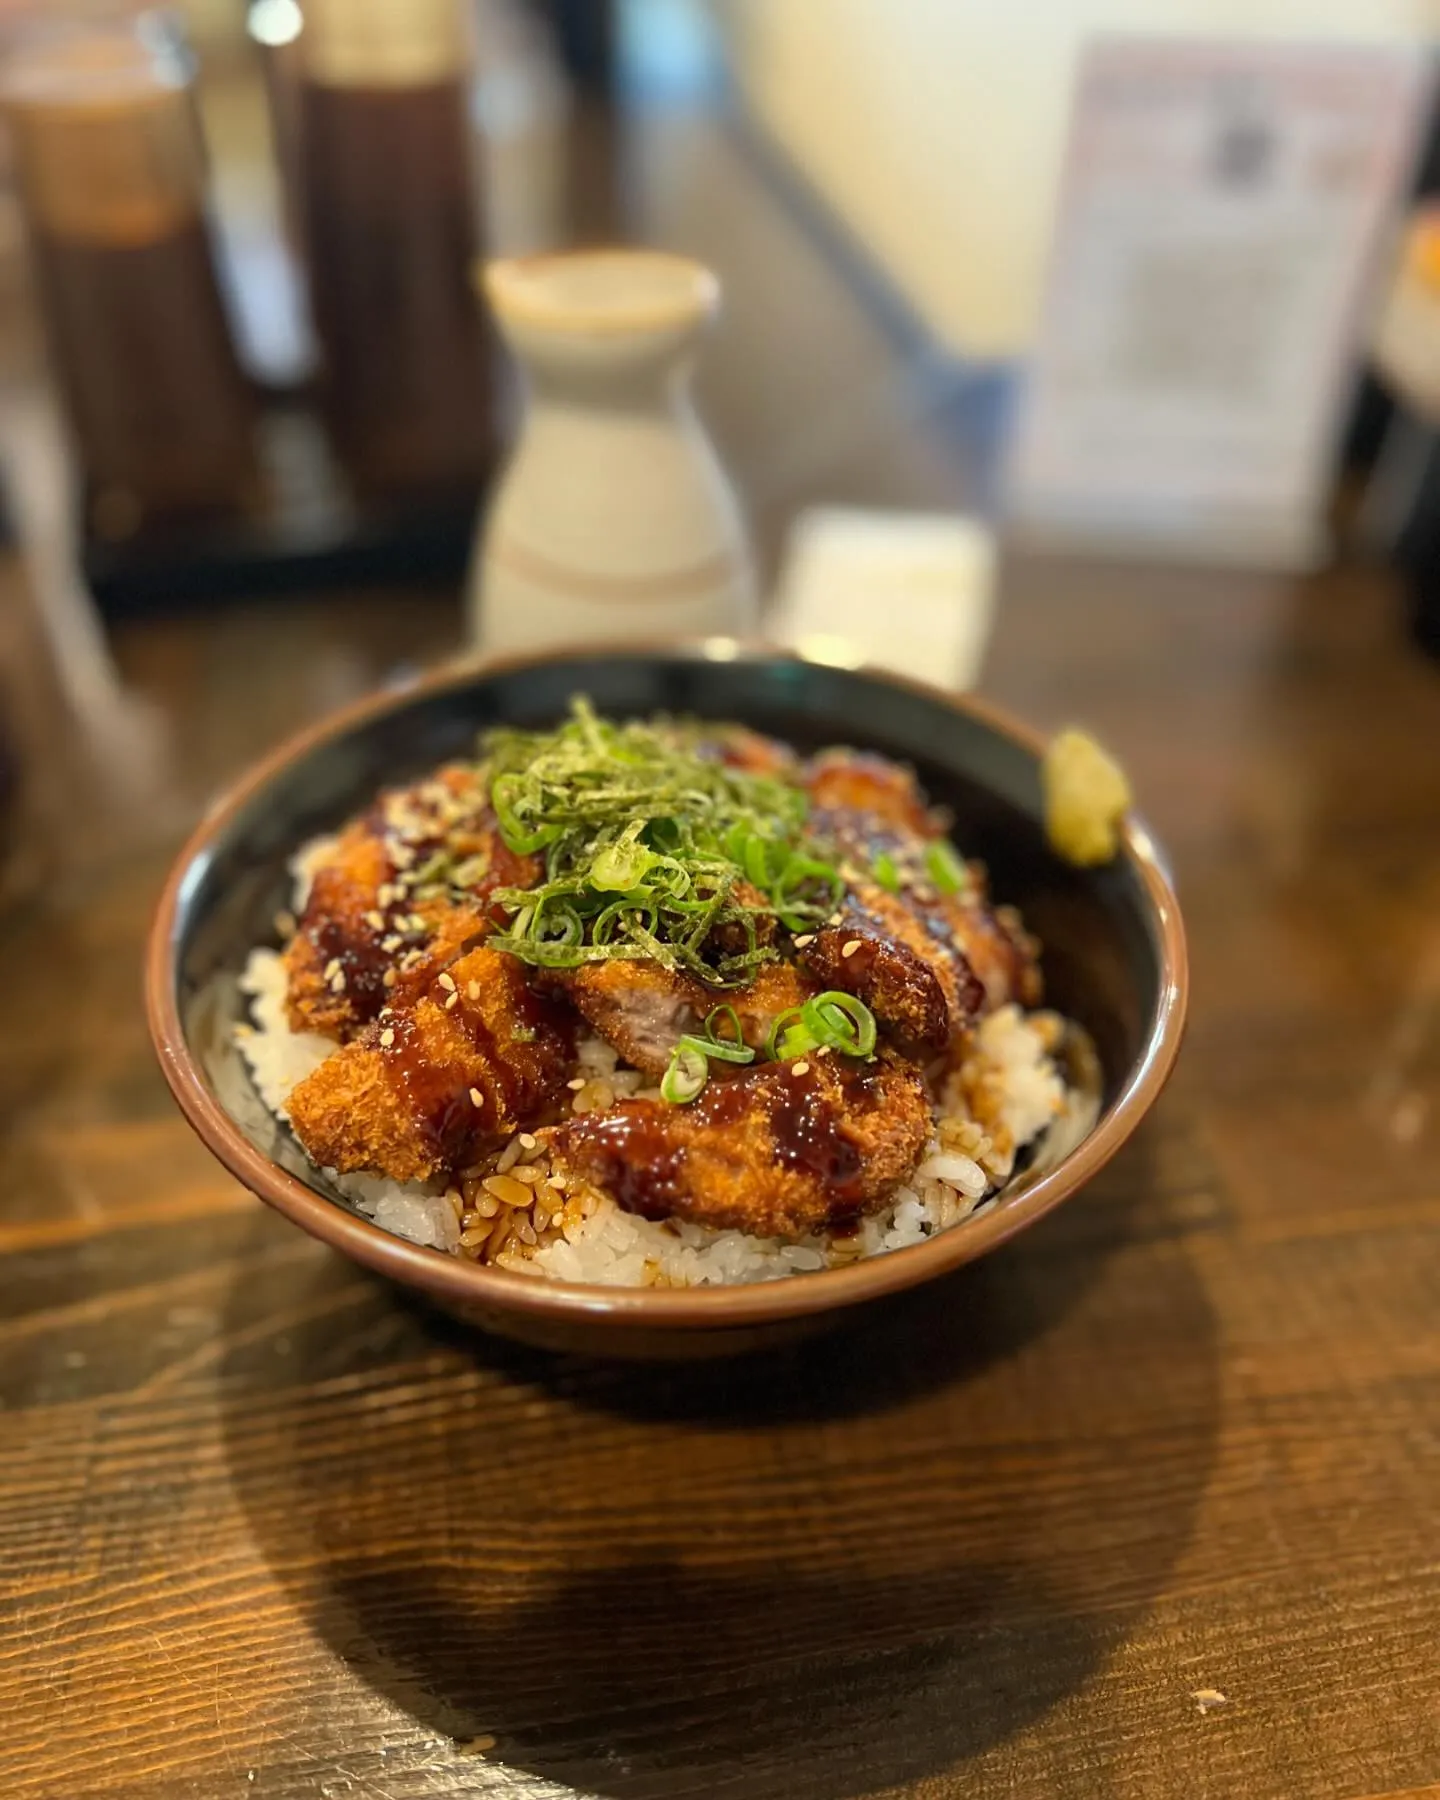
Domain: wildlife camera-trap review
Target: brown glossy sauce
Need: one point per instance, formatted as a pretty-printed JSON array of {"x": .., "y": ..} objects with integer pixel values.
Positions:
[
  {"x": 161, "y": 410},
  {"x": 638, "y": 1153},
  {"x": 437, "y": 1093},
  {"x": 809, "y": 1137},
  {"x": 634, "y": 1156},
  {"x": 388, "y": 218},
  {"x": 513, "y": 1077},
  {"x": 363, "y": 962}
]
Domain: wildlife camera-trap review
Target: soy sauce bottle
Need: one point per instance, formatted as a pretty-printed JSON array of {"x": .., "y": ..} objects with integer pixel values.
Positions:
[
  {"x": 389, "y": 225},
  {"x": 112, "y": 178}
]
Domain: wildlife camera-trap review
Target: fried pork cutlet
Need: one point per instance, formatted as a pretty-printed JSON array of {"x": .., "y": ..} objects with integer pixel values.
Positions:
[
  {"x": 880, "y": 791},
  {"x": 644, "y": 1010},
  {"x": 741, "y": 748},
  {"x": 425, "y": 1089},
  {"x": 872, "y": 810},
  {"x": 780, "y": 1150},
  {"x": 387, "y": 909},
  {"x": 919, "y": 988}
]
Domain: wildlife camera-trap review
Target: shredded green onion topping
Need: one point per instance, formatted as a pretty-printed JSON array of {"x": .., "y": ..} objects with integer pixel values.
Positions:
[
  {"x": 645, "y": 838},
  {"x": 945, "y": 867},
  {"x": 885, "y": 872},
  {"x": 833, "y": 1020},
  {"x": 686, "y": 1075}
]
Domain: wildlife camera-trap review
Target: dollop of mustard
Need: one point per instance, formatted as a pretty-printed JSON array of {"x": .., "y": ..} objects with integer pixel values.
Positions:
[{"x": 1086, "y": 796}]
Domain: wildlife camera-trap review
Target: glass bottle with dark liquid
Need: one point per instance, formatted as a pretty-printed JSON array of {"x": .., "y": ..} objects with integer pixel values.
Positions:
[
  {"x": 389, "y": 221},
  {"x": 111, "y": 173}
]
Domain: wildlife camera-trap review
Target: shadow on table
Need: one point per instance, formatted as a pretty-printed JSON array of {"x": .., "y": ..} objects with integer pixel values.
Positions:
[{"x": 856, "y": 1564}]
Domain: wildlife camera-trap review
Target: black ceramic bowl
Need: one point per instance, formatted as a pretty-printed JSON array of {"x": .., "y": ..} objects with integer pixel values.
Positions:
[{"x": 1114, "y": 956}]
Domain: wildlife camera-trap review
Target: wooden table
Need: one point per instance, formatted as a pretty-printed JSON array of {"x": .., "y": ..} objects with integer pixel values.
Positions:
[{"x": 1147, "y": 1505}]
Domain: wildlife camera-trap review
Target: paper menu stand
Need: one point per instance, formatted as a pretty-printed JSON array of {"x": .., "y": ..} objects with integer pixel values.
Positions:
[{"x": 1222, "y": 214}]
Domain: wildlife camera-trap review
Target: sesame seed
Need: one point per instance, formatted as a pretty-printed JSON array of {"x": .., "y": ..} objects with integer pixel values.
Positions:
[
  {"x": 800, "y": 1068},
  {"x": 476, "y": 1097},
  {"x": 390, "y": 943},
  {"x": 576, "y": 1085},
  {"x": 454, "y": 1000},
  {"x": 332, "y": 968},
  {"x": 527, "y": 1140},
  {"x": 850, "y": 948},
  {"x": 448, "y": 983},
  {"x": 389, "y": 978},
  {"x": 375, "y": 920},
  {"x": 337, "y": 982},
  {"x": 801, "y": 942},
  {"x": 387, "y": 1038},
  {"x": 472, "y": 990}
]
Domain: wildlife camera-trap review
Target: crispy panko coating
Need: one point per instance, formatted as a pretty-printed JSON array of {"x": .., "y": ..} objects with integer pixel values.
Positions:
[
  {"x": 920, "y": 990},
  {"x": 780, "y": 1150},
  {"x": 872, "y": 809},
  {"x": 856, "y": 781},
  {"x": 426, "y": 1088},
  {"x": 643, "y": 1010},
  {"x": 742, "y": 748},
  {"x": 381, "y": 919}
]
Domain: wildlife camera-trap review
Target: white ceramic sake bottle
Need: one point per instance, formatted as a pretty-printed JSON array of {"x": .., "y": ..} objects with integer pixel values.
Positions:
[{"x": 613, "y": 520}]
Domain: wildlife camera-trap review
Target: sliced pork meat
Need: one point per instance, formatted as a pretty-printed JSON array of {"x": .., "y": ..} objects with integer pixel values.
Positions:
[{"x": 644, "y": 1010}]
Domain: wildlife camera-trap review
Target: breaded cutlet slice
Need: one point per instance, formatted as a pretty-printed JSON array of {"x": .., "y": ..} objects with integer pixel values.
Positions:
[
  {"x": 871, "y": 807},
  {"x": 859, "y": 781},
  {"x": 427, "y": 1088},
  {"x": 376, "y": 928},
  {"x": 780, "y": 1150}
]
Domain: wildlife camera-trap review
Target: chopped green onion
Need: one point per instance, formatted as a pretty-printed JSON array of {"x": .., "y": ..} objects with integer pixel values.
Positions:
[
  {"x": 651, "y": 845},
  {"x": 757, "y": 862},
  {"x": 623, "y": 916},
  {"x": 621, "y": 865},
  {"x": 724, "y": 1011},
  {"x": 773, "y": 1043},
  {"x": 720, "y": 1052},
  {"x": 945, "y": 867},
  {"x": 885, "y": 872},
  {"x": 503, "y": 791},
  {"x": 686, "y": 1076},
  {"x": 833, "y": 1020},
  {"x": 796, "y": 912},
  {"x": 797, "y": 1041},
  {"x": 842, "y": 1021}
]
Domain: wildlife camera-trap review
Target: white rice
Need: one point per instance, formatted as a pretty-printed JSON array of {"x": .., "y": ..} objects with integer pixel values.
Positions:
[{"x": 1004, "y": 1096}]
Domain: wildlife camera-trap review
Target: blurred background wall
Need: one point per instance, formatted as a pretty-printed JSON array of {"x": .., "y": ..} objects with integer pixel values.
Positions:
[{"x": 934, "y": 128}]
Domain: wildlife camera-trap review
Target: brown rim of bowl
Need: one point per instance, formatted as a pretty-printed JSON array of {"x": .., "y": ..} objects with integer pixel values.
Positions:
[{"x": 459, "y": 1280}]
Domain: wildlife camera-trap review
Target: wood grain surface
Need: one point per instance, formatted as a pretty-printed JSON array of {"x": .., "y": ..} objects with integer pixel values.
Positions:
[{"x": 1145, "y": 1506}]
